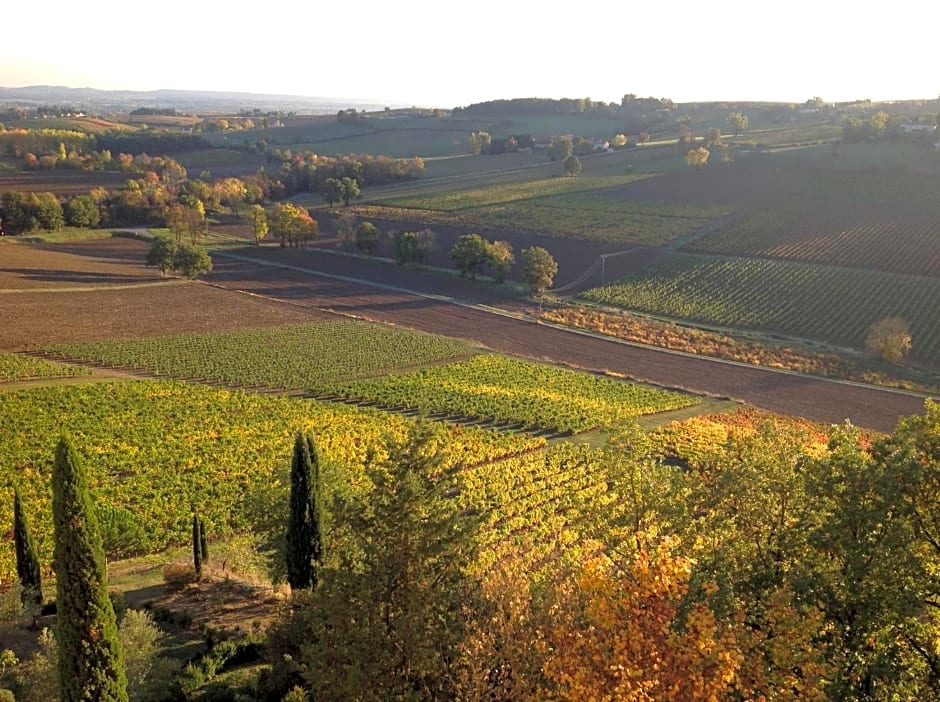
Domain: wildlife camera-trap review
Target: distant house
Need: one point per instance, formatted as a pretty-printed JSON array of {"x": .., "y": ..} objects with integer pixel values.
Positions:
[
  {"x": 916, "y": 127},
  {"x": 601, "y": 145}
]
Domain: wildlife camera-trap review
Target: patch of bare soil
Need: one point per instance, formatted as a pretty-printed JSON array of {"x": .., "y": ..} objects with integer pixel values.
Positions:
[
  {"x": 225, "y": 604},
  {"x": 94, "y": 262}
]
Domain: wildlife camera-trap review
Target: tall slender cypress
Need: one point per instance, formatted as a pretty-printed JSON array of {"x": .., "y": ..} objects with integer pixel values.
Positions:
[
  {"x": 304, "y": 538},
  {"x": 91, "y": 665},
  {"x": 203, "y": 541},
  {"x": 27, "y": 562},
  {"x": 197, "y": 545}
]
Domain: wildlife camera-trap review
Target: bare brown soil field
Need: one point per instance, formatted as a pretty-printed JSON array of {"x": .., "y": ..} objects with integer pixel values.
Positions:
[
  {"x": 61, "y": 182},
  {"x": 114, "y": 261},
  {"x": 48, "y": 294}
]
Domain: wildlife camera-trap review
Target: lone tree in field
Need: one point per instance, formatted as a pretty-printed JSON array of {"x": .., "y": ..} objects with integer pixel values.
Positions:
[
  {"x": 889, "y": 338},
  {"x": 162, "y": 254},
  {"x": 539, "y": 270},
  {"x": 572, "y": 165},
  {"x": 27, "y": 562},
  {"x": 304, "y": 533},
  {"x": 192, "y": 261},
  {"x": 90, "y": 660}
]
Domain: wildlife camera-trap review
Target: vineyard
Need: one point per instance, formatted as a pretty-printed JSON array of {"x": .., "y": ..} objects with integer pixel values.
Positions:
[
  {"x": 904, "y": 245},
  {"x": 299, "y": 356},
  {"x": 861, "y": 220},
  {"x": 532, "y": 395},
  {"x": 836, "y": 305},
  {"x": 157, "y": 450},
  {"x": 560, "y": 207},
  {"x": 15, "y": 367}
]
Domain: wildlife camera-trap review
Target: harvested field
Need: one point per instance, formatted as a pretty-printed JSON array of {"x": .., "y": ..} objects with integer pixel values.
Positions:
[
  {"x": 99, "y": 289},
  {"x": 114, "y": 261},
  {"x": 61, "y": 182}
]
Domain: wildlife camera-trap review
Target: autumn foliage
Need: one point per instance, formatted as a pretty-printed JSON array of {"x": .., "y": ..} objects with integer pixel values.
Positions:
[{"x": 620, "y": 636}]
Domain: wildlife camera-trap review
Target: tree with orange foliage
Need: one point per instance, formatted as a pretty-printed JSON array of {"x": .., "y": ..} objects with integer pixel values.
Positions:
[{"x": 622, "y": 637}]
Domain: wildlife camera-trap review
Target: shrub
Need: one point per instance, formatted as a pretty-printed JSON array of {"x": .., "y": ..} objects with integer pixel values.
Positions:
[
  {"x": 178, "y": 574},
  {"x": 889, "y": 338}
]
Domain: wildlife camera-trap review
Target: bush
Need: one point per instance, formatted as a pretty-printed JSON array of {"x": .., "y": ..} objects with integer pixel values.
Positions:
[
  {"x": 179, "y": 574},
  {"x": 889, "y": 338}
]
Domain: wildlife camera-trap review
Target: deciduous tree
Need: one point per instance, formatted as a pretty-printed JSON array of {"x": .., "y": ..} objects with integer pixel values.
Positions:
[
  {"x": 259, "y": 223},
  {"x": 539, "y": 270},
  {"x": 469, "y": 255},
  {"x": 889, "y": 338},
  {"x": 697, "y": 158},
  {"x": 349, "y": 188},
  {"x": 346, "y": 230},
  {"x": 572, "y": 165},
  {"x": 162, "y": 254},
  {"x": 737, "y": 122},
  {"x": 368, "y": 237},
  {"x": 192, "y": 261}
]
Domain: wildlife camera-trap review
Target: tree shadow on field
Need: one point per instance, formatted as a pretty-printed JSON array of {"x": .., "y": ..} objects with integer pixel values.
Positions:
[{"x": 74, "y": 277}]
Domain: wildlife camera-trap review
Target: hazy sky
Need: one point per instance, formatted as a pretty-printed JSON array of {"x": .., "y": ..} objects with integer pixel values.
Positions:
[{"x": 445, "y": 54}]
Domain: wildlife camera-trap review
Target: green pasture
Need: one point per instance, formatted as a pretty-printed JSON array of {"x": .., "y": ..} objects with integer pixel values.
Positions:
[{"x": 835, "y": 305}]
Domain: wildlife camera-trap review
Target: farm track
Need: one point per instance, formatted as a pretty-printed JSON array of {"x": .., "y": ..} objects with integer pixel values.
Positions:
[{"x": 453, "y": 307}]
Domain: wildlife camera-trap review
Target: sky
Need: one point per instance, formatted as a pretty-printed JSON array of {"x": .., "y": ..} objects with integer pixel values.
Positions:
[{"x": 443, "y": 54}]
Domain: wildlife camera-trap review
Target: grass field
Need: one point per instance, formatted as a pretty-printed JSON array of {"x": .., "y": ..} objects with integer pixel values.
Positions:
[{"x": 836, "y": 305}]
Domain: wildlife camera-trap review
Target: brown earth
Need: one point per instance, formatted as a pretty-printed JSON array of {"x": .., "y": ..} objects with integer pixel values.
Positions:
[{"x": 61, "y": 182}]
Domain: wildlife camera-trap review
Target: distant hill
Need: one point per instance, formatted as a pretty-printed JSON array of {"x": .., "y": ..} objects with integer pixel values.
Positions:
[{"x": 91, "y": 99}]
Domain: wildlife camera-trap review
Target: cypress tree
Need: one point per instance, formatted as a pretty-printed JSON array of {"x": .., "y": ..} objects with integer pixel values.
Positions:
[
  {"x": 197, "y": 546},
  {"x": 203, "y": 541},
  {"x": 91, "y": 665},
  {"x": 27, "y": 562},
  {"x": 304, "y": 542}
]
